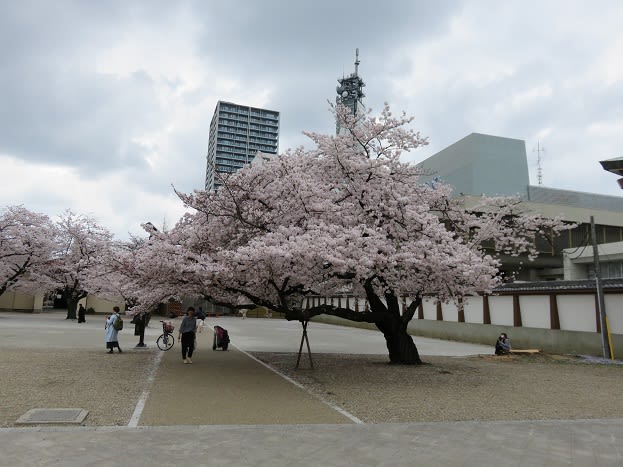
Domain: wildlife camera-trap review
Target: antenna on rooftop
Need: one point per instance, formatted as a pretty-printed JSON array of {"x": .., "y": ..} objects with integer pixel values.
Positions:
[
  {"x": 357, "y": 62},
  {"x": 539, "y": 159}
]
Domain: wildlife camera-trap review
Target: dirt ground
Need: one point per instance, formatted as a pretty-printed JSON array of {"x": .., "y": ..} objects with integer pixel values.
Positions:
[
  {"x": 107, "y": 384},
  {"x": 484, "y": 387},
  {"x": 444, "y": 389}
]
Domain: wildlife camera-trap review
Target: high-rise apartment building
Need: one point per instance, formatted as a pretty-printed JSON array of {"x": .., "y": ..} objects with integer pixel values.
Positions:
[{"x": 237, "y": 133}]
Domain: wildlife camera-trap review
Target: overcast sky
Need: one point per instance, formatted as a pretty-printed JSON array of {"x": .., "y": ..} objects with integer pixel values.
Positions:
[{"x": 105, "y": 106}]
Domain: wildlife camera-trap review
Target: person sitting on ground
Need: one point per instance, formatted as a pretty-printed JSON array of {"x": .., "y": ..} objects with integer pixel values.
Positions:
[{"x": 503, "y": 345}]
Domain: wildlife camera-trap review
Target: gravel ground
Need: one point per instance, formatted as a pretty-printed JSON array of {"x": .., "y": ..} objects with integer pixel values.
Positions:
[
  {"x": 460, "y": 388},
  {"x": 105, "y": 385},
  {"x": 445, "y": 389}
]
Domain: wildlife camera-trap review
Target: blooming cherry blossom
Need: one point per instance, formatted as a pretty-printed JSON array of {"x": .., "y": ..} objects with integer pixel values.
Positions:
[
  {"x": 26, "y": 246},
  {"x": 80, "y": 243},
  {"x": 346, "y": 216}
]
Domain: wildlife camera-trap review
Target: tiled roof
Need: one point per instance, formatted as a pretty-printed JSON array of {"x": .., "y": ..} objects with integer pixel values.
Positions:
[{"x": 546, "y": 286}]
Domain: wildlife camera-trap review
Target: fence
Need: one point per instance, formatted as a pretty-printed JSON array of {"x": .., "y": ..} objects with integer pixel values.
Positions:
[{"x": 557, "y": 317}]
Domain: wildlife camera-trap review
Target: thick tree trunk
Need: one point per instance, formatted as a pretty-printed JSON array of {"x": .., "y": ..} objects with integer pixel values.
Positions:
[
  {"x": 402, "y": 350},
  {"x": 72, "y": 306},
  {"x": 385, "y": 314},
  {"x": 400, "y": 345}
]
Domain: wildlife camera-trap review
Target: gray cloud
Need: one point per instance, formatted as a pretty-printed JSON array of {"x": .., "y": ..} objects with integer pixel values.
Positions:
[
  {"x": 276, "y": 36},
  {"x": 56, "y": 108},
  {"x": 77, "y": 119},
  {"x": 123, "y": 92}
]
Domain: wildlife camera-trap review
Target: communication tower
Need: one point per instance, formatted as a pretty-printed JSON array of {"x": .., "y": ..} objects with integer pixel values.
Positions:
[
  {"x": 350, "y": 91},
  {"x": 539, "y": 160}
]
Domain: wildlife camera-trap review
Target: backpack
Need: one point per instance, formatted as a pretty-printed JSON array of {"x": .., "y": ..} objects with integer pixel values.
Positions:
[{"x": 118, "y": 324}]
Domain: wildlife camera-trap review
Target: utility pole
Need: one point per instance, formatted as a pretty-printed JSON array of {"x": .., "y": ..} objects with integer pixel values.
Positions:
[{"x": 605, "y": 338}]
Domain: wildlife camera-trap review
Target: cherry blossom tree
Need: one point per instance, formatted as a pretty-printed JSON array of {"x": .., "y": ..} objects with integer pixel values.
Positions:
[
  {"x": 25, "y": 247},
  {"x": 347, "y": 216},
  {"x": 111, "y": 274},
  {"x": 75, "y": 268},
  {"x": 137, "y": 271}
]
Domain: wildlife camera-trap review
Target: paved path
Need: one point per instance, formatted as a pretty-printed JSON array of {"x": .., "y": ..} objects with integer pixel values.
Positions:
[
  {"x": 477, "y": 444},
  {"x": 266, "y": 335},
  {"x": 228, "y": 388},
  {"x": 234, "y": 411}
]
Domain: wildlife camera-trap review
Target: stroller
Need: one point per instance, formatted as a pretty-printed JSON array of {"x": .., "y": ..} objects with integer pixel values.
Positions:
[{"x": 221, "y": 338}]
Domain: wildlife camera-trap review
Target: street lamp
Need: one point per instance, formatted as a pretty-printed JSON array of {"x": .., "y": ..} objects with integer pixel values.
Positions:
[{"x": 615, "y": 166}]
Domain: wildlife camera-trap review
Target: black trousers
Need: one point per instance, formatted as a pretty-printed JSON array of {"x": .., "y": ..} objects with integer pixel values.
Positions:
[{"x": 188, "y": 344}]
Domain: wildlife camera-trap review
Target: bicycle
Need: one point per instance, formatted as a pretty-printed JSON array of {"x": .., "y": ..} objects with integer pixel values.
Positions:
[{"x": 165, "y": 341}]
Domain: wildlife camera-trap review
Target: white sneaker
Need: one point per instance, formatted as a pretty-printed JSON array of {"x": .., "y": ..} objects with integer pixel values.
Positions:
[{"x": 188, "y": 360}]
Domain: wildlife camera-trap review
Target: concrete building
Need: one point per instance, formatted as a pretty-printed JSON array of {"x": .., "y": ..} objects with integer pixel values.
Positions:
[
  {"x": 237, "y": 133},
  {"x": 263, "y": 158},
  {"x": 579, "y": 262},
  {"x": 37, "y": 302},
  {"x": 491, "y": 165}
]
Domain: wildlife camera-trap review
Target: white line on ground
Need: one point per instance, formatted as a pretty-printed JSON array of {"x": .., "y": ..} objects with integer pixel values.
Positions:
[
  {"x": 287, "y": 378},
  {"x": 140, "y": 405}
]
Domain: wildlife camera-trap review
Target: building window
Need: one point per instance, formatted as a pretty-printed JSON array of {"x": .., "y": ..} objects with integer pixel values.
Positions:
[{"x": 609, "y": 270}]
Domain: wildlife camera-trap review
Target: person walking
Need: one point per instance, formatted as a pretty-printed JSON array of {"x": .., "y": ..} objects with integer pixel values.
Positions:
[
  {"x": 112, "y": 340},
  {"x": 186, "y": 334},
  {"x": 82, "y": 314}
]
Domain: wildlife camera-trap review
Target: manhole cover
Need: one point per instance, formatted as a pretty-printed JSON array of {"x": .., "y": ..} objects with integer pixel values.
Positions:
[{"x": 53, "y": 416}]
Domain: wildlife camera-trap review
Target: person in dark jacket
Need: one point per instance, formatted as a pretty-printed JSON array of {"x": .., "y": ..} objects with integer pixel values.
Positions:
[
  {"x": 503, "y": 345},
  {"x": 140, "y": 323},
  {"x": 82, "y": 314},
  {"x": 186, "y": 334}
]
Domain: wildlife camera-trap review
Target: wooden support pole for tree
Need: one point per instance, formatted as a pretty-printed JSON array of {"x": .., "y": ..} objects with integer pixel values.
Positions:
[{"x": 305, "y": 339}]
